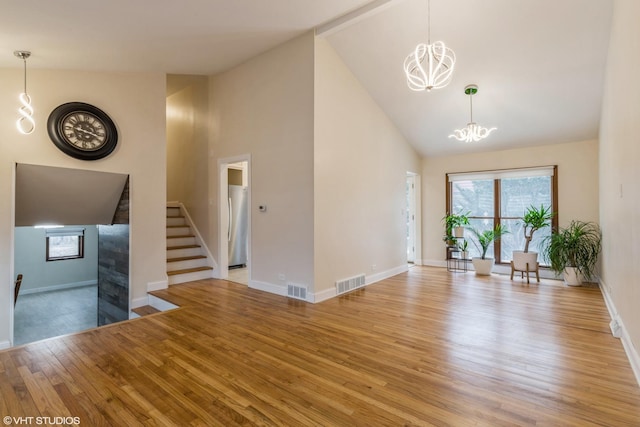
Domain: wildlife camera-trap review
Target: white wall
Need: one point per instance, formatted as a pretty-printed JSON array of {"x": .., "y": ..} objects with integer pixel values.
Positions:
[
  {"x": 619, "y": 176},
  {"x": 361, "y": 162},
  {"x": 188, "y": 146},
  {"x": 38, "y": 274},
  {"x": 577, "y": 184},
  {"x": 136, "y": 103},
  {"x": 264, "y": 107}
]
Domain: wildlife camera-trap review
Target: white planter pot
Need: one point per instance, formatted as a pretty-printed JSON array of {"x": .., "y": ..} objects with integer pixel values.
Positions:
[
  {"x": 520, "y": 260},
  {"x": 483, "y": 267},
  {"x": 464, "y": 254},
  {"x": 572, "y": 276},
  {"x": 458, "y": 232}
]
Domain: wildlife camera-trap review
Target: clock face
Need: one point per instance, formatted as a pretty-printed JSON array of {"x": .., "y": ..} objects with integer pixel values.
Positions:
[{"x": 82, "y": 131}]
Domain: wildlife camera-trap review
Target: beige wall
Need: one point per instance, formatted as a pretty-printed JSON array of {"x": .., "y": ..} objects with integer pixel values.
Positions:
[
  {"x": 360, "y": 167},
  {"x": 136, "y": 104},
  {"x": 188, "y": 146},
  {"x": 577, "y": 184},
  {"x": 264, "y": 108},
  {"x": 619, "y": 176}
]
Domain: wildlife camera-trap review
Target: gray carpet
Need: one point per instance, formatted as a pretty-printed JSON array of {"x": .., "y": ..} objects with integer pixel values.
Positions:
[{"x": 49, "y": 314}]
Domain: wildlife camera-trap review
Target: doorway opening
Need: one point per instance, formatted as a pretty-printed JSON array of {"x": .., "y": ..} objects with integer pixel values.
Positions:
[
  {"x": 411, "y": 218},
  {"x": 59, "y": 259},
  {"x": 234, "y": 220}
]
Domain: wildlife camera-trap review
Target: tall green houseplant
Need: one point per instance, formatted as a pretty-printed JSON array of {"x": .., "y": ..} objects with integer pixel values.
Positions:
[
  {"x": 533, "y": 220},
  {"x": 483, "y": 265},
  {"x": 574, "y": 249}
]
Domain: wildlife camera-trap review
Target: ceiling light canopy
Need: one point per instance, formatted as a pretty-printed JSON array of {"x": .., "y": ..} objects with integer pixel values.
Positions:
[
  {"x": 429, "y": 66},
  {"x": 472, "y": 132},
  {"x": 25, "y": 123}
]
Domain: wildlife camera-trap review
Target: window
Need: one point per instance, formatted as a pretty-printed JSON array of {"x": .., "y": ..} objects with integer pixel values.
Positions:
[
  {"x": 65, "y": 243},
  {"x": 501, "y": 197}
]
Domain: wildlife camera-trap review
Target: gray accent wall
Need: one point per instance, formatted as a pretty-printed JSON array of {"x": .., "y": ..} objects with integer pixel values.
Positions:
[{"x": 113, "y": 273}]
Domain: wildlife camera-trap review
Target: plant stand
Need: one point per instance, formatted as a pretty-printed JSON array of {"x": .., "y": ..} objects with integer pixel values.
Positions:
[
  {"x": 455, "y": 265},
  {"x": 454, "y": 261},
  {"x": 527, "y": 270}
]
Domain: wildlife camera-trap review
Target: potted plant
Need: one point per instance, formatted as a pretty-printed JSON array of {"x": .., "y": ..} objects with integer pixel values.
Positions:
[
  {"x": 464, "y": 249},
  {"x": 454, "y": 226},
  {"x": 483, "y": 264},
  {"x": 573, "y": 251},
  {"x": 533, "y": 220}
]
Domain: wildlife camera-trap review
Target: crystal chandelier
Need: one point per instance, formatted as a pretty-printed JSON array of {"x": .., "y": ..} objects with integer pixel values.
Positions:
[
  {"x": 472, "y": 132},
  {"x": 429, "y": 66},
  {"x": 25, "y": 123}
]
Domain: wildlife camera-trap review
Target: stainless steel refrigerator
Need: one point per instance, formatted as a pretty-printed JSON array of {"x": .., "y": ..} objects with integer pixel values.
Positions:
[{"x": 238, "y": 224}]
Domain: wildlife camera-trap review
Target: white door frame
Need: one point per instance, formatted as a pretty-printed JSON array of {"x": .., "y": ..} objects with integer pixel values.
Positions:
[
  {"x": 223, "y": 214},
  {"x": 414, "y": 209}
]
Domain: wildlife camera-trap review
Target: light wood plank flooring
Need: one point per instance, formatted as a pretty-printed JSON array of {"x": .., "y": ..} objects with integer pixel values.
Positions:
[{"x": 422, "y": 348}]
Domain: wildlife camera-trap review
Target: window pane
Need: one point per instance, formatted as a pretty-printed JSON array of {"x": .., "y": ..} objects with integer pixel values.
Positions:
[
  {"x": 517, "y": 194},
  {"x": 64, "y": 246},
  {"x": 473, "y": 196}
]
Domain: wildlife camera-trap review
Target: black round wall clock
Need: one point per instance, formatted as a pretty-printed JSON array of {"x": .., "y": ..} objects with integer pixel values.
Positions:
[{"x": 82, "y": 131}]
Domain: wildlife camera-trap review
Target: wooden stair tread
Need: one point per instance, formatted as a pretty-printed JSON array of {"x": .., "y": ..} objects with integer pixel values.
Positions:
[
  {"x": 188, "y": 270},
  {"x": 186, "y": 258},
  {"x": 145, "y": 310},
  {"x": 183, "y": 247},
  {"x": 182, "y": 236}
]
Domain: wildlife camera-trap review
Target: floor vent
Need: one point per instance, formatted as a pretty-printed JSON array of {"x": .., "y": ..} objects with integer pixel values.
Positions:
[
  {"x": 349, "y": 284},
  {"x": 297, "y": 291}
]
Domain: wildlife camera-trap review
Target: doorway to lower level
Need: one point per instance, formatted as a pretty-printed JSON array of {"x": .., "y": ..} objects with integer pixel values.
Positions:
[{"x": 235, "y": 219}]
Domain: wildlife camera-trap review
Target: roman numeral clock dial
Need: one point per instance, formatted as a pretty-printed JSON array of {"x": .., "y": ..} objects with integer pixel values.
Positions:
[{"x": 82, "y": 131}]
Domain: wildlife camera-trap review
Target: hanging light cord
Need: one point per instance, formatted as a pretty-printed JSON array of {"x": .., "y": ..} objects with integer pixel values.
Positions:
[
  {"x": 25, "y": 123},
  {"x": 428, "y": 21},
  {"x": 24, "y": 60},
  {"x": 471, "y": 106}
]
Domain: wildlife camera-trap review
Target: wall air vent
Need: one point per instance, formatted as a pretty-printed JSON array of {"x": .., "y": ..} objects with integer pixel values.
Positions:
[
  {"x": 296, "y": 291},
  {"x": 347, "y": 285}
]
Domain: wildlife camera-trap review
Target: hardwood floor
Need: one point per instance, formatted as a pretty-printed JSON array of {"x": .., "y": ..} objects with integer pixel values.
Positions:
[{"x": 422, "y": 348}]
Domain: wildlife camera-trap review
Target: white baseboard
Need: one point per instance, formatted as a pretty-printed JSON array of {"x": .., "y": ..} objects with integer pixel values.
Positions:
[
  {"x": 139, "y": 302},
  {"x": 324, "y": 295},
  {"x": 58, "y": 287},
  {"x": 156, "y": 286},
  {"x": 268, "y": 287},
  {"x": 4, "y": 345},
  {"x": 434, "y": 263},
  {"x": 627, "y": 343},
  {"x": 386, "y": 274},
  {"x": 369, "y": 280}
]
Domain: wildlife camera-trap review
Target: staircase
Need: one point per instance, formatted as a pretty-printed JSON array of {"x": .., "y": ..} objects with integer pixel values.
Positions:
[{"x": 186, "y": 259}]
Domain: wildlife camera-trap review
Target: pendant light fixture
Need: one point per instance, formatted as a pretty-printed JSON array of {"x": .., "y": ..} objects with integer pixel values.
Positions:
[
  {"x": 473, "y": 132},
  {"x": 25, "y": 123},
  {"x": 429, "y": 66}
]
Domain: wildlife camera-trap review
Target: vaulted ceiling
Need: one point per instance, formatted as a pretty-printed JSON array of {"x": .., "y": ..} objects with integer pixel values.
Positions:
[{"x": 539, "y": 64}]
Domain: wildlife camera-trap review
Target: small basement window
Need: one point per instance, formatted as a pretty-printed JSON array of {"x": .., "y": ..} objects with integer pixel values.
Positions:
[{"x": 65, "y": 243}]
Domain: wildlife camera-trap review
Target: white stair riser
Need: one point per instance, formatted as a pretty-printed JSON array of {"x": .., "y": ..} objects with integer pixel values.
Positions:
[
  {"x": 178, "y": 231},
  {"x": 176, "y": 221},
  {"x": 190, "y": 277},
  {"x": 183, "y": 265},
  {"x": 178, "y": 253},
  {"x": 180, "y": 241}
]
